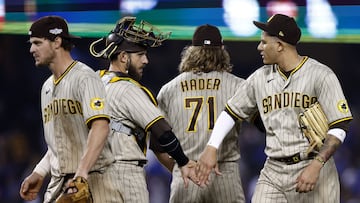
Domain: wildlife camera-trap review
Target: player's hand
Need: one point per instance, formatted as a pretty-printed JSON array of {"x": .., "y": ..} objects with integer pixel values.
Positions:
[
  {"x": 308, "y": 177},
  {"x": 188, "y": 173},
  {"x": 31, "y": 186},
  {"x": 206, "y": 163}
]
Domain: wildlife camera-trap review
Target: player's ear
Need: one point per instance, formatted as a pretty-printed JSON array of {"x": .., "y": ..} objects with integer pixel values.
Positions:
[
  {"x": 280, "y": 45},
  {"x": 57, "y": 41},
  {"x": 123, "y": 56}
]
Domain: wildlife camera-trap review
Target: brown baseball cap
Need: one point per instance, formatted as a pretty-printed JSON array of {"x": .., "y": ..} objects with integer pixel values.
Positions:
[
  {"x": 281, "y": 26},
  {"x": 50, "y": 27},
  {"x": 207, "y": 35}
]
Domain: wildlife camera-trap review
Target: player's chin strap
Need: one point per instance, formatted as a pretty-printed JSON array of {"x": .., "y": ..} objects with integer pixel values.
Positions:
[{"x": 105, "y": 53}]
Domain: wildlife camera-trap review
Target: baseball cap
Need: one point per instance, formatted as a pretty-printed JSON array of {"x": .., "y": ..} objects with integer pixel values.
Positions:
[
  {"x": 207, "y": 35},
  {"x": 281, "y": 26},
  {"x": 50, "y": 27}
]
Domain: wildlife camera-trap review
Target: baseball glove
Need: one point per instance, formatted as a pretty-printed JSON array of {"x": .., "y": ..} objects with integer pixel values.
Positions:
[
  {"x": 82, "y": 192},
  {"x": 314, "y": 125}
]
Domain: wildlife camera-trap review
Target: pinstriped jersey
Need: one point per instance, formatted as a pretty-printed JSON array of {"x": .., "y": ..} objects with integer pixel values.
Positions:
[
  {"x": 280, "y": 99},
  {"x": 68, "y": 106},
  {"x": 132, "y": 106},
  {"x": 191, "y": 103}
]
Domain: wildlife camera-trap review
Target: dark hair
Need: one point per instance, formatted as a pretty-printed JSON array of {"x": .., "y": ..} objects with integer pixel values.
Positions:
[
  {"x": 205, "y": 59},
  {"x": 67, "y": 44}
]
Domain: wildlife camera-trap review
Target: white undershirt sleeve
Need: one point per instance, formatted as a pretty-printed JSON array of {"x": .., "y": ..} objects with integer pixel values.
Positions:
[
  {"x": 339, "y": 133},
  {"x": 43, "y": 167},
  {"x": 223, "y": 125}
]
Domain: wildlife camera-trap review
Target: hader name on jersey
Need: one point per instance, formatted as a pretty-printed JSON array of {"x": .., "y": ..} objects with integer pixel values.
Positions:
[{"x": 200, "y": 84}]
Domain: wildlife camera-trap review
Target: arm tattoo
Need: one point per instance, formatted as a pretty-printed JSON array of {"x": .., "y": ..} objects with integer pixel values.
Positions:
[{"x": 330, "y": 146}]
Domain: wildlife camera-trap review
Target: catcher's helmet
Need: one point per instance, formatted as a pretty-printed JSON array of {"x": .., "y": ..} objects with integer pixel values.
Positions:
[{"x": 126, "y": 36}]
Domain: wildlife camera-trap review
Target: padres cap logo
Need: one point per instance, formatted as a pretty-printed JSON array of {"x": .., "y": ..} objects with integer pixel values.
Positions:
[
  {"x": 97, "y": 103},
  {"x": 343, "y": 106}
]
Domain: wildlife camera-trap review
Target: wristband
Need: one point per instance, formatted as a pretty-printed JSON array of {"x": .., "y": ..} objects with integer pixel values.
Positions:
[{"x": 320, "y": 159}]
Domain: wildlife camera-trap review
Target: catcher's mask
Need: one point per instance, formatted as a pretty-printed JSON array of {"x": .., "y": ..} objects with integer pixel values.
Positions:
[{"x": 126, "y": 36}]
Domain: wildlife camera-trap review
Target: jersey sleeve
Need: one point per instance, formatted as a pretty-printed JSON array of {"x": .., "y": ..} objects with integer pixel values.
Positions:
[
  {"x": 139, "y": 108},
  {"x": 243, "y": 104},
  {"x": 92, "y": 95},
  {"x": 332, "y": 99}
]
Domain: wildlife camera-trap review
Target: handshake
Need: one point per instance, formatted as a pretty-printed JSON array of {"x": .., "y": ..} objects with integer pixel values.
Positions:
[{"x": 198, "y": 172}]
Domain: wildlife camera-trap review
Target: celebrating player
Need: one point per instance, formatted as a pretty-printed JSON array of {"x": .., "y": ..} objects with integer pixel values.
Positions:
[
  {"x": 75, "y": 119},
  {"x": 280, "y": 90},
  {"x": 190, "y": 103},
  {"x": 133, "y": 108}
]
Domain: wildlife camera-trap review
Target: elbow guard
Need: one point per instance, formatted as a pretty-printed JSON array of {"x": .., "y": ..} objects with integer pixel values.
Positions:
[{"x": 171, "y": 145}]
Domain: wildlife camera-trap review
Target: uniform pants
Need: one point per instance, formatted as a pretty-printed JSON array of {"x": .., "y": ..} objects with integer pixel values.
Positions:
[
  {"x": 277, "y": 184},
  {"x": 105, "y": 186}
]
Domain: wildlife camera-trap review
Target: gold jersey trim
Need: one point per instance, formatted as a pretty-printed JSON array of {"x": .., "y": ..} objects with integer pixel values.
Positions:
[
  {"x": 152, "y": 122},
  {"x": 145, "y": 89},
  {"x": 295, "y": 69},
  {"x": 64, "y": 73},
  {"x": 340, "y": 120},
  {"x": 96, "y": 117},
  {"x": 232, "y": 112}
]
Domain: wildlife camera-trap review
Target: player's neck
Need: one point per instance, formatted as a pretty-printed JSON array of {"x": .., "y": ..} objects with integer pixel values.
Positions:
[
  {"x": 291, "y": 62},
  {"x": 60, "y": 65}
]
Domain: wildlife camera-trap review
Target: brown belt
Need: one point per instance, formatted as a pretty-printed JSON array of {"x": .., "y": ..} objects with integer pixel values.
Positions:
[{"x": 296, "y": 158}]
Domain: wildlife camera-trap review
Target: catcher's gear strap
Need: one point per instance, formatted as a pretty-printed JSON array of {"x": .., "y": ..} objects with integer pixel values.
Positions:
[
  {"x": 139, "y": 133},
  {"x": 223, "y": 125},
  {"x": 172, "y": 146},
  {"x": 119, "y": 127}
]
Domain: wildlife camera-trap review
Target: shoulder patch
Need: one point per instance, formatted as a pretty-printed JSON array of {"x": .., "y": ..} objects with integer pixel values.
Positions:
[
  {"x": 343, "y": 106},
  {"x": 97, "y": 103}
]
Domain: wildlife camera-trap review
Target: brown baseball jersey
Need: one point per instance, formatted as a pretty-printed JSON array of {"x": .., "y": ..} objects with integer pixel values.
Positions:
[
  {"x": 191, "y": 103},
  {"x": 134, "y": 106},
  {"x": 280, "y": 99},
  {"x": 68, "y": 106}
]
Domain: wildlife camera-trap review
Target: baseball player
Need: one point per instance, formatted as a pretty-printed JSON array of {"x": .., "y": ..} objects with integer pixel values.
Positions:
[
  {"x": 281, "y": 89},
  {"x": 75, "y": 119},
  {"x": 133, "y": 108},
  {"x": 190, "y": 103}
]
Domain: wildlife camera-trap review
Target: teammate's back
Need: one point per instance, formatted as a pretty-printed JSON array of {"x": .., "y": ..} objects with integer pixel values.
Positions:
[{"x": 191, "y": 102}]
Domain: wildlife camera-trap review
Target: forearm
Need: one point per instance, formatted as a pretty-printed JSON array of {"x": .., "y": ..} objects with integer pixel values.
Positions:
[
  {"x": 168, "y": 141},
  {"x": 165, "y": 160},
  {"x": 95, "y": 143},
  {"x": 330, "y": 146}
]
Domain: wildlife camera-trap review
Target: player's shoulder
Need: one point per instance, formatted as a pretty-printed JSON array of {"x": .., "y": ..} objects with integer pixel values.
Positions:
[
  {"x": 80, "y": 66},
  {"x": 314, "y": 65},
  {"x": 264, "y": 70}
]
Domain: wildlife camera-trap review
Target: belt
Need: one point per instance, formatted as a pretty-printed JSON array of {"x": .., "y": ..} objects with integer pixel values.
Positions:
[
  {"x": 296, "y": 158},
  {"x": 140, "y": 163}
]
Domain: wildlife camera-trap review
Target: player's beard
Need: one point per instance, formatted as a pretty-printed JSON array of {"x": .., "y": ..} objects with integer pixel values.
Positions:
[
  {"x": 46, "y": 60},
  {"x": 134, "y": 72}
]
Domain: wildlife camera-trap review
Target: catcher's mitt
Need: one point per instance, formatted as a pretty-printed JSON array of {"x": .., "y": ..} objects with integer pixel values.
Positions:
[
  {"x": 82, "y": 194},
  {"x": 314, "y": 125}
]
